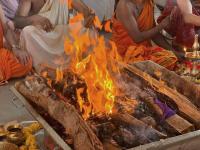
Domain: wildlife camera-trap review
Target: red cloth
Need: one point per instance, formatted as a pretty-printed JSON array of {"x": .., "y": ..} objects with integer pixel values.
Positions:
[{"x": 184, "y": 33}]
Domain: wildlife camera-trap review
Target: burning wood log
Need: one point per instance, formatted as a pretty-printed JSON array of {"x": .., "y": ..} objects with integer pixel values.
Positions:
[
  {"x": 185, "y": 108},
  {"x": 143, "y": 132},
  {"x": 174, "y": 124},
  {"x": 35, "y": 90},
  {"x": 173, "y": 80}
]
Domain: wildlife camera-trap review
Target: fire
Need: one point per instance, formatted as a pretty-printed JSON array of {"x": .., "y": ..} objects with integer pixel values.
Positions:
[
  {"x": 59, "y": 74},
  {"x": 97, "y": 23},
  {"x": 69, "y": 4},
  {"x": 108, "y": 26},
  {"x": 77, "y": 18},
  {"x": 90, "y": 59}
]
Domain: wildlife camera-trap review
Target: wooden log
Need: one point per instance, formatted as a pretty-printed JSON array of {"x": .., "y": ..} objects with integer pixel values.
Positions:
[
  {"x": 174, "y": 81},
  {"x": 125, "y": 138},
  {"x": 185, "y": 108},
  {"x": 36, "y": 91},
  {"x": 143, "y": 132},
  {"x": 174, "y": 124},
  {"x": 108, "y": 145}
]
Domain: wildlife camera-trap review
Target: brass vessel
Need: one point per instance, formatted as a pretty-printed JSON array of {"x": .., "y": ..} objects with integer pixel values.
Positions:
[
  {"x": 14, "y": 128},
  {"x": 16, "y": 138},
  {"x": 15, "y": 134},
  {"x": 3, "y": 133}
]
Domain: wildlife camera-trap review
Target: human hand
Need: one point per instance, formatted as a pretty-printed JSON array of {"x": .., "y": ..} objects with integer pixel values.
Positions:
[
  {"x": 180, "y": 56},
  {"x": 42, "y": 22},
  {"x": 166, "y": 22},
  {"x": 23, "y": 56},
  {"x": 89, "y": 18}
]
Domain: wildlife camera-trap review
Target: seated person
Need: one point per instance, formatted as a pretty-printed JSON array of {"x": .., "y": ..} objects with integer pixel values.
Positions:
[
  {"x": 45, "y": 26},
  {"x": 185, "y": 20},
  {"x": 133, "y": 30},
  {"x": 15, "y": 62}
]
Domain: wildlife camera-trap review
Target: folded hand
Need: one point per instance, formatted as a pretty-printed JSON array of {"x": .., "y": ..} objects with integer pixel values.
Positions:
[{"x": 89, "y": 19}]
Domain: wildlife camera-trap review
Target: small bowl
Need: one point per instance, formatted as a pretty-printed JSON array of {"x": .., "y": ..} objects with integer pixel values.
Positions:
[
  {"x": 3, "y": 136},
  {"x": 14, "y": 128},
  {"x": 3, "y": 133},
  {"x": 16, "y": 138}
]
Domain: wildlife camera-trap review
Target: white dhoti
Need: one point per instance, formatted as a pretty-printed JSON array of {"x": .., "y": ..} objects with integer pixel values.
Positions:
[
  {"x": 48, "y": 48},
  {"x": 104, "y": 9}
]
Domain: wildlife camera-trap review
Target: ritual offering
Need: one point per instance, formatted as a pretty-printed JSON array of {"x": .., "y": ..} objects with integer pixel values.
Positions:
[
  {"x": 17, "y": 137},
  {"x": 190, "y": 69}
]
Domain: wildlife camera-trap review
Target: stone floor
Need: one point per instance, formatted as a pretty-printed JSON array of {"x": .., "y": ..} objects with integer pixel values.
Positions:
[{"x": 10, "y": 107}]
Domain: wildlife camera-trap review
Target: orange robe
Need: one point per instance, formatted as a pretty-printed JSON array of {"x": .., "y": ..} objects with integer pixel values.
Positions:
[
  {"x": 134, "y": 52},
  {"x": 9, "y": 65}
]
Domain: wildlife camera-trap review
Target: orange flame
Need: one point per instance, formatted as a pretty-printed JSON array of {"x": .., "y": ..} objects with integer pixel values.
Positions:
[
  {"x": 59, "y": 74},
  {"x": 77, "y": 18},
  {"x": 107, "y": 26},
  {"x": 97, "y": 23},
  {"x": 90, "y": 59}
]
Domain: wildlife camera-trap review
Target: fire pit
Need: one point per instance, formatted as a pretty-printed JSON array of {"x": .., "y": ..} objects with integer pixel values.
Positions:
[
  {"x": 130, "y": 118},
  {"x": 101, "y": 103}
]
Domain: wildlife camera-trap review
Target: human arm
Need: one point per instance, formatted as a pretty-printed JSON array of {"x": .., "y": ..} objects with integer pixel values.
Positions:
[
  {"x": 9, "y": 35},
  {"x": 186, "y": 9},
  {"x": 161, "y": 41},
  {"x": 88, "y": 14},
  {"x": 124, "y": 13},
  {"x": 22, "y": 18}
]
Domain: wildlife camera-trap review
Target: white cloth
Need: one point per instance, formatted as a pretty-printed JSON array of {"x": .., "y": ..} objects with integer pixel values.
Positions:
[
  {"x": 56, "y": 11},
  {"x": 46, "y": 47},
  {"x": 104, "y": 9}
]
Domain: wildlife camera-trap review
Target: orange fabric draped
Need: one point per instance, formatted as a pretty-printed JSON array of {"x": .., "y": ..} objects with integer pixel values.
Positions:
[
  {"x": 9, "y": 65},
  {"x": 132, "y": 51}
]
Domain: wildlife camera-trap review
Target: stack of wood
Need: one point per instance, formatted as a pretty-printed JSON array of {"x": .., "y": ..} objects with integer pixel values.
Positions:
[{"x": 123, "y": 128}]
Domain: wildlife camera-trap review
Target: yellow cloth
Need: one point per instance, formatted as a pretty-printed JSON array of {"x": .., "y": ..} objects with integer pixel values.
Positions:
[{"x": 132, "y": 51}]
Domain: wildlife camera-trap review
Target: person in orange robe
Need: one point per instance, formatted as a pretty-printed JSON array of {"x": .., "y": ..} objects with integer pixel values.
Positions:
[
  {"x": 133, "y": 30},
  {"x": 15, "y": 63}
]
